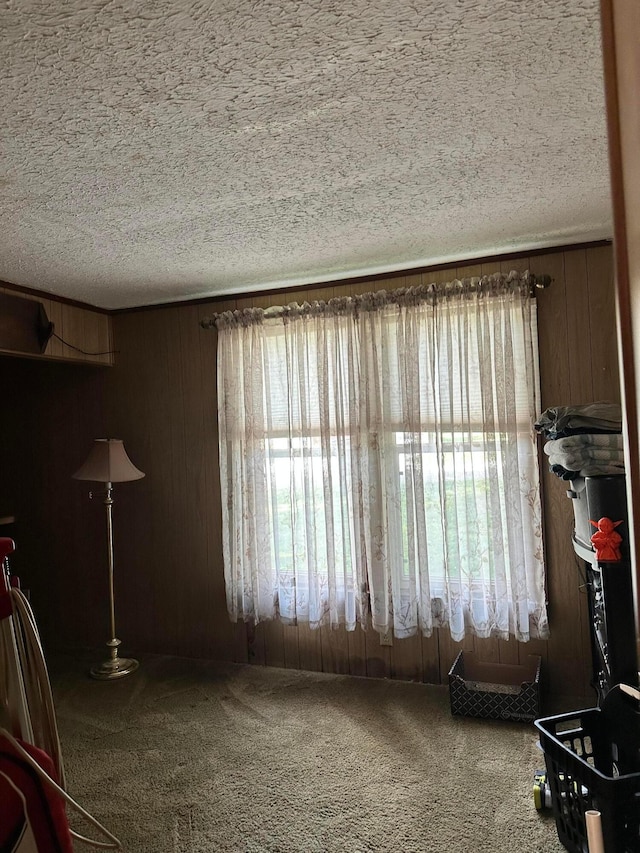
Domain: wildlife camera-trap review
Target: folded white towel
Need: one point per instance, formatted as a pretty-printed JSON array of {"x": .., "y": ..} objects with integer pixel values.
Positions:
[
  {"x": 611, "y": 441},
  {"x": 574, "y": 459}
]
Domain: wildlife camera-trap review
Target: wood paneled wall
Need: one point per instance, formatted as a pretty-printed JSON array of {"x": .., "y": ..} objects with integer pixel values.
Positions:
[
  {"x": 52, "y": 410},
  {"x": 161, "y": 399},
  {"x": 51, "y": 414}
]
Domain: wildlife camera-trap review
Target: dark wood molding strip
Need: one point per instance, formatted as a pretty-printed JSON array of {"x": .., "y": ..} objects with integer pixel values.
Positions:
[
  {"x": 621, "y": 109},
  {"x": 44, "y": 294},
  {"x": 487, "y": 259}
]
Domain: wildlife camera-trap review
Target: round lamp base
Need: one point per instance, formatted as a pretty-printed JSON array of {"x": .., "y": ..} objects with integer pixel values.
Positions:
[{"x": 117, "y": 668}]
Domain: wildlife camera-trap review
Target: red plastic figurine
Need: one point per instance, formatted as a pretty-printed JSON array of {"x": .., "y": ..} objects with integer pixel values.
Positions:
[{"x": 606, "y": 541}]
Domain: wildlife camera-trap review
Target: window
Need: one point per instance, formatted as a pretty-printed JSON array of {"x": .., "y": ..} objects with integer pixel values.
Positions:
[{"x": 378, "y": 461}]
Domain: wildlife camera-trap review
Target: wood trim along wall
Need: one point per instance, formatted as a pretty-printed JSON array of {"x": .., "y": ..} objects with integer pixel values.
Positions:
[
  {"x": 370, "y": 280},
  {"x": 86, "y": 331},
  {"x": 452, "y": 265},
  {"x": 43, "y": 294},
  {"x": 621, "y": 52}
]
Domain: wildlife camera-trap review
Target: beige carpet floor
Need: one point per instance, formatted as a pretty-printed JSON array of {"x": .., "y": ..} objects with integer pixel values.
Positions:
[{"x": 198, "y": 757}]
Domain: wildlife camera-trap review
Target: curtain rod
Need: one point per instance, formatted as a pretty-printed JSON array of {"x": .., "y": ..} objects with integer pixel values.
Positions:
[{"x": 536, "y": 282}]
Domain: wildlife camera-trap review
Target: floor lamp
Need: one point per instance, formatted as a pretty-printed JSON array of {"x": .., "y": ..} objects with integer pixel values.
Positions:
[{"x": 108, "y": 463}]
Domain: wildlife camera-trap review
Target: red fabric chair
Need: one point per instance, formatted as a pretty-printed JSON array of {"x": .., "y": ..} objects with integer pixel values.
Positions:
[{"x": 31, "y": 812}]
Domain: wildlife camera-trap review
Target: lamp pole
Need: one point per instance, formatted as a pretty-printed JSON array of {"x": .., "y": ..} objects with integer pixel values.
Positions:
[
  {"x": 108, "y": 463},
  {"x": 108, "y": 502},
  {"x": 115, "y": 667}
]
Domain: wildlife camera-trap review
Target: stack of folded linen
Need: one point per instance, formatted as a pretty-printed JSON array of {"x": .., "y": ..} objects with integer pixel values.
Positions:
[
  {"x": 590, "y": 418},
  {"x": 586, "y": 455},
  {"x": 584, "y": 441}
]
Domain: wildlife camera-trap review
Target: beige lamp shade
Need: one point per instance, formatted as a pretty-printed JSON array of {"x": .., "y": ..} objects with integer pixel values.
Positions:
[{"x": 108, "y": 462}]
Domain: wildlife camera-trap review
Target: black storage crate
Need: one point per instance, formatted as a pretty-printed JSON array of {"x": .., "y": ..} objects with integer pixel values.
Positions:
[
  {"x": 495, "y": 690},
  {"x": 593, "y": 762}
]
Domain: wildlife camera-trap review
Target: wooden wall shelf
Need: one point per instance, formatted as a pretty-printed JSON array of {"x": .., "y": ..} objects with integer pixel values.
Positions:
[{"x": 86, "y": 333}]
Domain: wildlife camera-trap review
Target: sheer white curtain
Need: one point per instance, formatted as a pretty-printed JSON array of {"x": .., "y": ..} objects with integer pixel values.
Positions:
[{"x": 378, "y": 461}]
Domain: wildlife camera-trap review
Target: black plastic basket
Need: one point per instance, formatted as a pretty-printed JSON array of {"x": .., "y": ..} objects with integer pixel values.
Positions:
[{"x": 593, "y": 762}]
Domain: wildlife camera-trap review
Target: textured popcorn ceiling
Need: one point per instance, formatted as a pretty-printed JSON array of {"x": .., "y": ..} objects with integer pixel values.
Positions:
[{"x": 182, "y": 148}]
